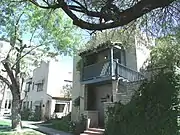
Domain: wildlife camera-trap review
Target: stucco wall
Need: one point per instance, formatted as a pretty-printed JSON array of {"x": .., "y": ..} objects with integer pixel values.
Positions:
[
  {"x": 76, "y": 91},
  {"x": 131, "y": 61},
  {"x": 101, "y": 96},
  {"x": 55, "y": 80},
  {"x": 143, "y": 44},
  {"x": 39, "y": 74}
]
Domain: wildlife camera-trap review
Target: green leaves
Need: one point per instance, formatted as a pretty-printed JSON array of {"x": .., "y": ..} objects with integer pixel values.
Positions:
[
  {"x": 148, "y": 114},
  {"x": 51, "y": 30},
  {"x": 166, "y": 52}
]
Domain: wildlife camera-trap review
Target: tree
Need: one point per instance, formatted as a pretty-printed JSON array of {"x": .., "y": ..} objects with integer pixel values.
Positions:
[
  {"x": 107, "y": 14},
  {"x": 166, "y": 52},
  {"x": 25, "y": 22},
  {"x": 67, "y": 90}
]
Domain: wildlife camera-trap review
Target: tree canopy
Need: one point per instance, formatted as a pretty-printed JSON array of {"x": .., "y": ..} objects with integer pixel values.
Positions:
[
  {"x": 107, "y": 14},
  {"x": 24, "y": 28},
  {"x": 166, "y": 52}
]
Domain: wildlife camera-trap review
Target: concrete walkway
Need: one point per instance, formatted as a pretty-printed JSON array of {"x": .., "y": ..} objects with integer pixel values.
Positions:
[
  {"x": 43, "y": 129},
  {"x": 49, "y": 131}
]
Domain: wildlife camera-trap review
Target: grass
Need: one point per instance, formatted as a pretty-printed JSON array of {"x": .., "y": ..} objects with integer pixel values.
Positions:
[
  {"x": 4, "y": 123},
  {"x": 5, "y": 129},
  {"x": 24, "y": 131},
  {"x": 59, "y": 124}
]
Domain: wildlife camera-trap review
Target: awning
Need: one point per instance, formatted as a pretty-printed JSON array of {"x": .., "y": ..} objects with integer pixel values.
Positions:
[
  {"x": 37, "y": 102},
  {"x": 39, "y": 82}
]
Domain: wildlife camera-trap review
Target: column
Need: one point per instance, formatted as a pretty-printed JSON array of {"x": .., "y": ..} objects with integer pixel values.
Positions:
[{"x": 114, "y": 90}]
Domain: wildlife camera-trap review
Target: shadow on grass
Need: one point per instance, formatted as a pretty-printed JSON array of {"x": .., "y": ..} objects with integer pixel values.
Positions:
[{"x": 6, "y": 130}]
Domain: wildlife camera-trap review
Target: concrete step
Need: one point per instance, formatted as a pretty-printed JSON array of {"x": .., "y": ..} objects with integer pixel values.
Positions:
[
  {"x": 93, "y": 132},
  {"x": 96, "y": 129}
]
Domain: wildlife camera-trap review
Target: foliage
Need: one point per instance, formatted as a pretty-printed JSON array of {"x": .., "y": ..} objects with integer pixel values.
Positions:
[
  {"x": 166, "y": 52},
  {"x": 152, "y": 111},
  {"x": 62, "y": 124},
  {"x": 78, "y": 127},
  {"x": 26, "y": 114},
  {"x": 67, "y": 90},
  {"x": 65, "y": 124},
  {"x": 36, "y": 115},
  {"x": 25, "y": 28}
]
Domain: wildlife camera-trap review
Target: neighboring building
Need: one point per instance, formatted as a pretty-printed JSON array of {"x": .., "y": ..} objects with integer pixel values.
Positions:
[
  {"x": 108, "y": 73},
  {"x": 44, "y": 90}
]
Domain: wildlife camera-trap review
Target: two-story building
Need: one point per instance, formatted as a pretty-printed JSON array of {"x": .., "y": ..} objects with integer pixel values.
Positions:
[
  {"x": 107, "y": 73},
  {"x": 45, "y": 90}
]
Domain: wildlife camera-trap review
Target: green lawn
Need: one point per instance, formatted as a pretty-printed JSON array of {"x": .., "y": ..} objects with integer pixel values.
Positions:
[
  {"x": 5, "y": 129},
  {"x": 24, "y": 131},
  {"x": 4, "y": 123},
  {"x": 62, "y": 125}
]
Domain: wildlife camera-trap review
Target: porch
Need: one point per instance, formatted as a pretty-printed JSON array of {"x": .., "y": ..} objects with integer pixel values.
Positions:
[{"x": 95, "y": 97}]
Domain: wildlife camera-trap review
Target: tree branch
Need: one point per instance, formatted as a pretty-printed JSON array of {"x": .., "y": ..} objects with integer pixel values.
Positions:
[
  {"x": 55, "y": 6},
  {"x": 10, "y": 73},
  {"x": 6, "y": 81},
  {"x": 26, "y": 54},
  {"x": 139, "y": 9}
]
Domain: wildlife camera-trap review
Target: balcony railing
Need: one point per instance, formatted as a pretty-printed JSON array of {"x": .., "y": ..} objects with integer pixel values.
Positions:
[
  {"x": 97, "y": 70},
  {"x": 127, "y": 73},
  {"x": 103, "y": 69}
]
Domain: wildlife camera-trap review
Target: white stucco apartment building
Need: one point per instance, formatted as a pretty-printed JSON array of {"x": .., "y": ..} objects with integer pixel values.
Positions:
[
  {"x": 109, "y": 73},
  {"x": 45, "y": 90}
]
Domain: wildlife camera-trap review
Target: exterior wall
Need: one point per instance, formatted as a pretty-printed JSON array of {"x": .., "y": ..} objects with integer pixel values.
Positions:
[
  {"x": 6, "y": 102},
  {"x": 143, "y": 48},
  {"x": 48, "y": 73},
  {"x": 101, "y": 96},
  {"x": 135, "y": 55},
  {"x": 39, "y": 74},
  {"x": 102, "y": 55},
  {"x": 66, "y": 109},
  {"x": 78, "y": 90},
  {"x": 126, "y": 91},
  {"x": 55, "y": 79},
  {"x": 131, "y": 61}
]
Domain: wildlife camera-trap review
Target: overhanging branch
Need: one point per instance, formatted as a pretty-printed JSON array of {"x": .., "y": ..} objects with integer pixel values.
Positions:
[
  {"x": 6, "y": 81},
  {"x": 124, "y": 17}
]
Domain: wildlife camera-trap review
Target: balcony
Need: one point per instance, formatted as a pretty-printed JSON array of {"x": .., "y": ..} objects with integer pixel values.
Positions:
[{"x": 107, "y": 70}]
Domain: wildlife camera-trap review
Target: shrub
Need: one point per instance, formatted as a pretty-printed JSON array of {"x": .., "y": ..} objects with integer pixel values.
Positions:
[
  {"x": 62, "y": 124},
  {"x": 78, "y": 127},
  {"x": 36, "y": 115},
  {"x": 25, "y": 114},
  {"x": 150, "y": 113}
]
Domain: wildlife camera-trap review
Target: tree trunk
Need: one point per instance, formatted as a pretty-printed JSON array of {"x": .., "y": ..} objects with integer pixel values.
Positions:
[{"x": 16, "y": 108}]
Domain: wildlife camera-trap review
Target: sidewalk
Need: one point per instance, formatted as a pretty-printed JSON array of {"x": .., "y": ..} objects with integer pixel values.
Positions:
[
  {"x": 49, "y": 131},
  {"x": 43, "y": 129}
]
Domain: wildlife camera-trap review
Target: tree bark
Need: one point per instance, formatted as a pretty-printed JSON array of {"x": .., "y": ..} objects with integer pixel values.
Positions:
[{"x": 16, "y": 108}]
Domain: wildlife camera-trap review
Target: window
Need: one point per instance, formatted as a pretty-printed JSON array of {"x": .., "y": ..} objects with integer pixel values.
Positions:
[
  {"x": 27, "y": 104},
  {"x": 9, "y": 105},
  {"x": 59, "y": 108},
  {"x": 40, "y": 87},
  {"x": 33, "y": 86},
  {"x": 24, "y": 104},
  {"x": 28, "y": 87},
  {"x": 120, "y": 55},
  {"x": 31, "y": 105},
  {"x": 5, "y": 104}
]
